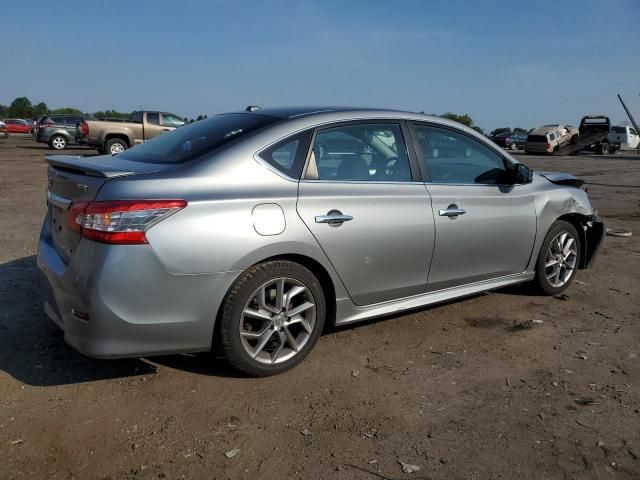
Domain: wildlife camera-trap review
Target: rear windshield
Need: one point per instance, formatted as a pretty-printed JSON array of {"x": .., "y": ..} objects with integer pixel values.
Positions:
[{"x": 188, "y": 142}]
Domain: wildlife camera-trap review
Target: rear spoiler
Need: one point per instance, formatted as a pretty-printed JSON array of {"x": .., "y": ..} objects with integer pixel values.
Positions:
[{"x": 86, "y": 166}]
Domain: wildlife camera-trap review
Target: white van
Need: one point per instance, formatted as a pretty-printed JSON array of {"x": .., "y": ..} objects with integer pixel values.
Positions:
[{"x": 627, "y": 137}]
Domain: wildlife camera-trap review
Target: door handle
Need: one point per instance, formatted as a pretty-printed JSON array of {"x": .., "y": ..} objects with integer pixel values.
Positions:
[
  {"x": 166, "y": 129},
  {"x": 334, "y": 218},
  {"x": 452, "y": 211}
]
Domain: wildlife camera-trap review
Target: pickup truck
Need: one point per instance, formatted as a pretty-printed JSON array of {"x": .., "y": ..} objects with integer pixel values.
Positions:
[{"x": 114, "y": 136}]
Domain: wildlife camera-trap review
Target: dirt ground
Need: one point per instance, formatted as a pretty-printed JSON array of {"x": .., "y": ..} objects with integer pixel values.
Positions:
[{"x": 453, "y": 389}]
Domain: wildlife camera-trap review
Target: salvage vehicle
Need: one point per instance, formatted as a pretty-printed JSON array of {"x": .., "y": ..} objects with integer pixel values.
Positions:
[
  {"x": 625, "y": 136},
  {"x": 115, "y": 136},
  {"x": 248, "y": 232},
  {"x": 550, "y": 138},
  {"x": 57, "y": 131}
]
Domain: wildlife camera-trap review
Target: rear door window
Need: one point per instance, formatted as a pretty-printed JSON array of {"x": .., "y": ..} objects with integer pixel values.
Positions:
[
  {"x": 153, "y": 118},
  {"x": 360, "y": 152}
]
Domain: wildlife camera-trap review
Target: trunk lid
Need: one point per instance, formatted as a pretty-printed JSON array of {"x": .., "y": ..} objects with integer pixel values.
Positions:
[{"x": 72, "y": 179}]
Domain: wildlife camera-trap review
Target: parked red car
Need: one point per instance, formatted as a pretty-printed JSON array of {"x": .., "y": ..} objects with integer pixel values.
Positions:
[{"x": 16, "y": 125}]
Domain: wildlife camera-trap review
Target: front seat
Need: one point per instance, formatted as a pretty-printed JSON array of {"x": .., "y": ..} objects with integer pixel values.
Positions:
[{"x": 353, "y": 168}]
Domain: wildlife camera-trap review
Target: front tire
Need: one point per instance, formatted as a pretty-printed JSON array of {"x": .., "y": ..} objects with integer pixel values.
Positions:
[
  {"x": 558, "y": 259},
  {"x": 271, "y": 318},
  {"x": 58, "y": 142},
  {"x": 513, "y": 146}
]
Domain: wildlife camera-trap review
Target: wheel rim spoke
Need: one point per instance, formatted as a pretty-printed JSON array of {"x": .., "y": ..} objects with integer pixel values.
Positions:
[
  {"x": 279, "y": 294},
  {"x": 567, "y": 246},
  {"x": 293, "y": 343},
  {"x": 301, "y": 321},
  {"x": 299, "y": 309},
  {"x": 262, "y": 341},
  {"x": 293, "y": 291},
  {"x": 258, "y": 334},
  {"x": 561, "y": 259},
  {"x": 258, "y": 314},
  {"x": 278, "y": 349}
]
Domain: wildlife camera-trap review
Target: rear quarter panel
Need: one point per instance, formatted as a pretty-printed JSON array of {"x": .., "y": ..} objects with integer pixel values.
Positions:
[{"x": 217, "y": 230}]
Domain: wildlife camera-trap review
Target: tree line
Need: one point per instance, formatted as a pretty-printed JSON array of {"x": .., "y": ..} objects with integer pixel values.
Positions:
[
  {"x": 22, "y": 107},
  {"x": 466, "y": 119}
]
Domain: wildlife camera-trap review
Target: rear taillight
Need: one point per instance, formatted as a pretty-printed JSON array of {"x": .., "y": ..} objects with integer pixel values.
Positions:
[
  {"x": 547, "y": 146},
  {"x": 84, "y": 128},
  {"x": 45, "y": 125},
  {"x": 122, "y": 222}
]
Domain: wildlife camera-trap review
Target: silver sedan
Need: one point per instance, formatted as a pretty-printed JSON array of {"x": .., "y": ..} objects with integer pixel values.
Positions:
[{"x": 249, "y": 232}]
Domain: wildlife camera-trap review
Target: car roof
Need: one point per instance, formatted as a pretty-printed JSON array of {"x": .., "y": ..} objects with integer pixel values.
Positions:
[
  {"x": 293, "y": 112},
  {"x": 544, "y": 129}
]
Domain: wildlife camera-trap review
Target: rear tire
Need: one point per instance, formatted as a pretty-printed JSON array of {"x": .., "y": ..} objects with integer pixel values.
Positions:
[
  {"x": 558, "y": 259},
  {"x": 603, "y": 149},
  {"x": 57, "y": 142},
  {"x": 115, "y": 146},
  {"x": 513, "y": 146},
  {"x": 287, "y": 312}
]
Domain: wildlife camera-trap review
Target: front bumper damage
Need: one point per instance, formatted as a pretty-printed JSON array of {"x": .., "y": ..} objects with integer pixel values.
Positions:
[{"x": 592, "y": 237}]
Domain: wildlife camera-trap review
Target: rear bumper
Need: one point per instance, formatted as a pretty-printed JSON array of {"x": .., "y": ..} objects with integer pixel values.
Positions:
[
  {"x": 135, "y": 306},
  {"x": 537, "y": 148}
]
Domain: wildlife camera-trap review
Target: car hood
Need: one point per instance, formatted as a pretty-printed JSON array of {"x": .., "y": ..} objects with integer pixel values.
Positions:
[{"x": 561, "y": 178}]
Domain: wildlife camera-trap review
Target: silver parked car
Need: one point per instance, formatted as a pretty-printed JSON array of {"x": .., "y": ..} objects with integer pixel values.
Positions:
[{"x": 248, "y": 232}]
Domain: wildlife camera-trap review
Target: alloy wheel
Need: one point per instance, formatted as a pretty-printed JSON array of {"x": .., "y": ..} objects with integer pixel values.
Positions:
[
  {"x": 561, "y": 259},
  {"x": 116, "y": 148},
  {"x": 277, "y": 320},
  {"x": 58, "y": 143}
]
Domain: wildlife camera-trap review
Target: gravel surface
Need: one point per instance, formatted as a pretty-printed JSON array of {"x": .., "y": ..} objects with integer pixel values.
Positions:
[{"x": 501, "y": 385}]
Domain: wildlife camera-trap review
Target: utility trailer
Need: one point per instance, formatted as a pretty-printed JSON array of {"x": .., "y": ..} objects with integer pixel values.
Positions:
[{"x": 594, "y": 137}]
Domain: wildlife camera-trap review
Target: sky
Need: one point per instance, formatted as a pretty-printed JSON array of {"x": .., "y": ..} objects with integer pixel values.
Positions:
[{"x": 517, "y": 64}]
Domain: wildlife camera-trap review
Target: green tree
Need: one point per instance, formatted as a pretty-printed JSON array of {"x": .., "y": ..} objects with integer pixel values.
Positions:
[
  {"x": 519, "y": 130},
  {"x": 500, "y": 130},
  {"x": 478, "y": 129},
  {"x": 66, "y": 111},
  {"x": 464, "y": 119},
  {"x": 39, "y": 110},
  {"x": 20, "y": 108},
  {"x": 3, "y": 111},
  {"x": 111, "y": 114}
]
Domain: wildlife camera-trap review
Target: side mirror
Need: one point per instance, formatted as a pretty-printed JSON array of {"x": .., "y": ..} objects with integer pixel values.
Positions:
[{"x": 523, "y": 174}]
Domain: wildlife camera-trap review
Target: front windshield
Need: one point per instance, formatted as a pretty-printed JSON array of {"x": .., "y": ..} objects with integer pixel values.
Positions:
[{"x": 188, "y": 142}]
